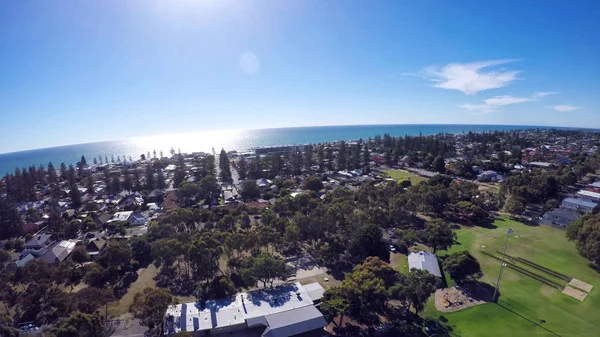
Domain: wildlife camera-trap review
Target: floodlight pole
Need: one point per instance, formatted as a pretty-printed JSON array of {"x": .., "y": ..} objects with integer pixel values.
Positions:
[{"x": 502, "y": 265}]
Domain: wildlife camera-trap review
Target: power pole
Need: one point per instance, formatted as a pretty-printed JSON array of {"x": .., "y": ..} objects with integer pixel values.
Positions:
[{"x": 502, "y": 265}]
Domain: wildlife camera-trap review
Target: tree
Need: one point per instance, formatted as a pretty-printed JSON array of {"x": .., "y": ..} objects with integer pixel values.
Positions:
[
  {"x": 439, "y": 165},
  {"x": 90, "y": 299},
  {"x": 203, "y": 255},
  {"x": 438, "y": 234},
  {"x": 245, "y": 221},
  {"x": 367, "y": 242},
  {"x": 150, "y": 307},
  {"x": 418, "y": 287},
  {"x": 333, "y": 304},
  {"x": 585, "y": 231},
  {"x": 242, "y": 168},
  {"x": 366, "y": 292},
  {"x": 462, "y": 265},
  {"x": 142, "y": 250},
  {"x": 11, "y": 224},
  {"x": 250, "y": 190},
  {"x": 312, "y": 183},
  {"x": 342, "y": 156},
  {"x": 96, "y": 276},
  {"x": 79, "y": 255},
  {"x": 160, "y": 180},
  {"x": 514, "y": 206},
  {"x": 78, "y": 324},
  {"x": 267, "y": 268},
  {"x": 209, "y": 186}
]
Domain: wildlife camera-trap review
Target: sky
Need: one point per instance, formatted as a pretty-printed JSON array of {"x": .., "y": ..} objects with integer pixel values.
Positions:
[{"x": 82, "y": 71}]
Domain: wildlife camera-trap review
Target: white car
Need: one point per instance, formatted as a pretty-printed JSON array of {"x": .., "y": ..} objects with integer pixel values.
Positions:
[{"x": 392, "y": 249}]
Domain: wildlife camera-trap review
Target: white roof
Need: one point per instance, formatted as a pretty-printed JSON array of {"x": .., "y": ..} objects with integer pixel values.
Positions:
[
  {"x": 294, "y": 322},
  {"x": 595, "y": 184},
  {"x": 589, "y": 194},
  {"x": 424, "y": 261},
  {"x": 315, "y": 291},
  {"x": 251, "y": 308},
  {"x": 121, "y": 216}
]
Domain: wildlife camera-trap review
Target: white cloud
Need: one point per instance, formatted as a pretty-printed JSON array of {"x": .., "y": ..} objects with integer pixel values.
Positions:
[
  {"x": 543, "y": 94},
  {"x": 470, "y": 77},
  {"x": 478, "y": 107},
  {"x": 564, "y": 108},
  {"x": 492, "y": 104},
  {"x": 507, "y": 100}
]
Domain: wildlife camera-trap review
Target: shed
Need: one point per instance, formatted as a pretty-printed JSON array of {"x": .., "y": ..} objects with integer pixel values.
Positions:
[{"x": 424, "y": 261}]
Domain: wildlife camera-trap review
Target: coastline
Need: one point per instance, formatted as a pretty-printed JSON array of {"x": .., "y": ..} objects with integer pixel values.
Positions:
[{"x": 238, "y": 140}]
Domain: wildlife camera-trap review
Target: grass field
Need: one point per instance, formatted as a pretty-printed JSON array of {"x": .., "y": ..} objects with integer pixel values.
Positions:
[
  {"x": 145, "y": 279},
  {"x": 524, "y": 303},
  {"x": 399, "y": 174},
  {"x": 399, "y": 262}
]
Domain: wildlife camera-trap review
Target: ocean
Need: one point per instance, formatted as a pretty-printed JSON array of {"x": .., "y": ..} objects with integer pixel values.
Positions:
[{"x": 239, "y": 140}]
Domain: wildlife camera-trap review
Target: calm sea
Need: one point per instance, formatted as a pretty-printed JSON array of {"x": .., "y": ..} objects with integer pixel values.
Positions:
[{"x": 227, "y": 139}]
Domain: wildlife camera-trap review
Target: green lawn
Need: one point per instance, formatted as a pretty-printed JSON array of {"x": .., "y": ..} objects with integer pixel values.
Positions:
[
  {"x": 524, "y": 302},
  {"x": 399, "y": 174},
  {"x": 399, "y": 262}
]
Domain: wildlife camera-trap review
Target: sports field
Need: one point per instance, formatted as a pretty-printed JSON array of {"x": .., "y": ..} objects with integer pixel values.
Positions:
[
  {"x": 399, "y": 175},
  {"x": 526, "y": 306}
]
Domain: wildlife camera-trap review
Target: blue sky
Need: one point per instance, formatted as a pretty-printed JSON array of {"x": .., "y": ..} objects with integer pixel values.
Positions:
[{"x": 80, "y": 71}]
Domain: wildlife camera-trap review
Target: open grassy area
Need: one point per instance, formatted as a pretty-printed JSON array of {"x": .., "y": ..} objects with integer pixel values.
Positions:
[
  {"x": 145, "y": 279},
  {"x": 399, "y": 174},
  {"x": 399, "y": 262},
  {"x": 524, "y": 303}
]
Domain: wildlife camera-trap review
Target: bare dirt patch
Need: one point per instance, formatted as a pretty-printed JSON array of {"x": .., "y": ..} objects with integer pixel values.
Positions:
[
  {"x": 581, "y": 285},
  {"x": 580, "y": 295},
  {"x": 459, "y": 298}
]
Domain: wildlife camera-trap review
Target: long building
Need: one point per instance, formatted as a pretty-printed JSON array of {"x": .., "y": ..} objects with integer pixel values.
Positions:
[{"x": 282, "y": 311}]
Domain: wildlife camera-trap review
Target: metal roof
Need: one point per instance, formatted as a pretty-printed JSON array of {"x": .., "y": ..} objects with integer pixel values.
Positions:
[
  {"x": 294, "y": 322},
  {"x": 581, "y": 202},
  {"x": 424, "y": 261}
]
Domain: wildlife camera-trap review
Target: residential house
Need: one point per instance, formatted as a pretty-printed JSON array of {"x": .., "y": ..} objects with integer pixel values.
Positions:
[
  {"x": 21, "y": 262},
  {"x": 589, "y": 195},
  {"x": 595, "y": 184},
  {"x": 33, "y": 227},
  {"x": 101, "y": 220},
  {"x": 263, "y": 184},
  {"x": 59, "y": 252},
  {"x": 137, "y": 219},
  {"x": 120, "y": 216},
  {"x": 583, "y": 205},
  {"x": 38, "y": 245},
  {"x": 95, "y": 247},
  {"x": 424, "y": 261},
  {"x": 489, "y": 175},
  {"x": 559, "y": 217}
]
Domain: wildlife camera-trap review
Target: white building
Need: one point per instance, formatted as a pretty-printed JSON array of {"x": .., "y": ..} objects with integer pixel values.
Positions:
[
  {"x": 589, "y": 195},
  {"x": 282, "y": 311},
  {"x": 424, "y": 261}
]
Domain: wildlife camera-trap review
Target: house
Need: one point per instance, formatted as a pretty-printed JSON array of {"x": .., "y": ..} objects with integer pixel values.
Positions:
[
  {"x": 263, "y": 184},
  {"x": 59, "y": 252},
  {"x": 579, "y": 204},
  {"x": 489, "y": 175},
  {"x": 38, "y": 245},
  {"x": 95, "y": 247},
  {"x": 21, "y": 262},
  {"x": 101, "y": 220},
  {"x": 592, "y": 196},
  {"x": 137, "y": 219},
  {"x": 424, "y": 261},
  {"x": 559, "y": 217},
  {"x": 542, "y": 164},
  {"x": 595, "y": 184},
  {"x": 33, "y": 227},
  {"x": 285, "y": 310},
  {"x": 120, "y": 216},
  {"x": 155, "y": 196}
]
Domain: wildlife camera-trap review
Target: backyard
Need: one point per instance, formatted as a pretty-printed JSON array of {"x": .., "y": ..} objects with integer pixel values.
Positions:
[{"x": 525, "y": 306}]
